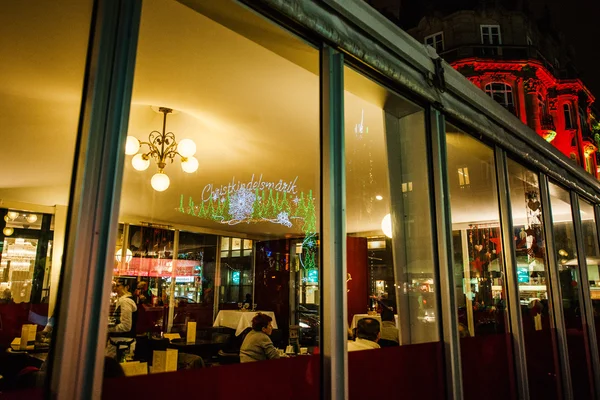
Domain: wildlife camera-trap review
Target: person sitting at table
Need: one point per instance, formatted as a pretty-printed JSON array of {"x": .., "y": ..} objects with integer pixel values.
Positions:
[
  {"x": 257, "y": 345},
  {"x": 367, "y": 335},
  {"x": 389, "y": 332},
  {"x": 124, "y": 317},
  {"x": 143, "y": 295}
]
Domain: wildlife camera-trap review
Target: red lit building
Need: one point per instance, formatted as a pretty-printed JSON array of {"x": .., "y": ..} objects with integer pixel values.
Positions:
[{"x": 516, "y": 57}]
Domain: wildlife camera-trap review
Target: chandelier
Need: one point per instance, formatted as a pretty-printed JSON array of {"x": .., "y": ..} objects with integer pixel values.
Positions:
[{"x": 162, "y": 148}]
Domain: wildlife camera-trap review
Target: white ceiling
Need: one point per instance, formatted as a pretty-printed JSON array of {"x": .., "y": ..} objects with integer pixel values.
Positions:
[{"x": 249, "y": 109}]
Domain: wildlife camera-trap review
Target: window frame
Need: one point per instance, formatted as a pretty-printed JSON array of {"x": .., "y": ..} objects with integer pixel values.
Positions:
[
  {"x": 507, "y": 89},
  {"x": 435, "y": 42},
  {"x": 488, "y": 28},
  {"x": 568, "y": 116}
]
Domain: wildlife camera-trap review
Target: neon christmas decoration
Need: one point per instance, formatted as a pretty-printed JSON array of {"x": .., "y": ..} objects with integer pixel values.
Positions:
[{"x": 241, "y": 205}]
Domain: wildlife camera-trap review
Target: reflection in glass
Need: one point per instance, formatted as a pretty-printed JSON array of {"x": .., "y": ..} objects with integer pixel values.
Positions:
[
  {"x": 592, "y": 257},
  {"x": 241, "y": 232},
  {"x": 570, "y": 283},
  {"x": 41, "y": 98},
  {"x": 478, "y": 265},
  {"x": 392, "y": 281},
  {"x": 533, "y": 280}
]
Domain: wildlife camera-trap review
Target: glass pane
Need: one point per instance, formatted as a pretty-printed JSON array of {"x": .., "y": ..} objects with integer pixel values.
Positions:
[
  {"x": 592, "y": 257},
  {"x": 44, "y": 45},
  {"x": 213, "y": 232},
  {"x": 570, "y": 288},
  {"x": 479, "y": 268},
  {"x": 392, "y": 279},
  {"x": 532, "y": 276}
]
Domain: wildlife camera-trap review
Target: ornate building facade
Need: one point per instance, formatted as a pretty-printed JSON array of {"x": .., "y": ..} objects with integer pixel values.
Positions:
[{"x": 517, "y": 58}]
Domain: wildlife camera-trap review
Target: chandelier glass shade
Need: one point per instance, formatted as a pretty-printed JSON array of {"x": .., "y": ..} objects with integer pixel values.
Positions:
[{"x": 162, "y": 148}]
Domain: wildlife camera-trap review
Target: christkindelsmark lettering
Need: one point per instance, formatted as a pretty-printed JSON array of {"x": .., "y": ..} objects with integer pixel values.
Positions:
[{"x": 214, "y": 192}]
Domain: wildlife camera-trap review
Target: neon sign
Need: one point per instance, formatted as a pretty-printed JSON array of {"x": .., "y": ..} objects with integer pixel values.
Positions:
[{"x": 258, "y": 201}]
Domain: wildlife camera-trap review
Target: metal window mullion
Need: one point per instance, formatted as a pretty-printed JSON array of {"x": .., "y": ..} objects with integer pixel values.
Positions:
[
  {"x": 334, "y": 368},
  {"x": 557, "y": 315},
  {"x": 585, "y": 292},
  {"x": 449, "y": 311},
  {"x": 77, "y": 362},
  {"x": 512, "y": 284}
]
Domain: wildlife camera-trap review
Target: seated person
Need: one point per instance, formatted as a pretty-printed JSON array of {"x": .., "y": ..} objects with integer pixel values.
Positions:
[
  {"x": 367, "y": 335},
  {"x": 389, "y": 332},
  {"x": 143, "y": 295},
  {"x": 257, "y": 345}
]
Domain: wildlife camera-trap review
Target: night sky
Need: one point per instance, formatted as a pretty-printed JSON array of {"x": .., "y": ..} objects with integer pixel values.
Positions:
[{"x": 579, "y": 20}]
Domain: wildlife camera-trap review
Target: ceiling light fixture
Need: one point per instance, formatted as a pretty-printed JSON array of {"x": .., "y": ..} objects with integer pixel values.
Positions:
[
  {"x": 379, "y": 197},
  {"x": 162, "y": 148}
]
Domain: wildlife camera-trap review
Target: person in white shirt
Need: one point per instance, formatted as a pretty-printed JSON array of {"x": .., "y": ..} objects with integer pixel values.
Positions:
[
  {"x": 121, "y": 329},
  {"x": 367, "y": 335}
]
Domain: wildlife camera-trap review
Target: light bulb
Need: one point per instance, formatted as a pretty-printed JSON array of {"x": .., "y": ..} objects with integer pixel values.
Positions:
[
  {"x": 186, "y": 148},
  {"x": 160, "y": 182},
  {"x": 132, "y": 145},
  {"x": 8, "y": 231},
  {"x": 190, "y": 165},
  {"x": 12, "y": 215},
  {"x": 31, "y": 218},
  {"x": 140, "y": 163},
  {"x": 386, "y": 225}
]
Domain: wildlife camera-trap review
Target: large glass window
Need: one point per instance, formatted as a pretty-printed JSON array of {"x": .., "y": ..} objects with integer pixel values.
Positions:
[
  {"x": 44, "y": 49},
  {"x": 570, "y": 289},
  {"x": 478, "y": 266},
  {"x": 220, "y": 260},
  {"x": 592, "y": 258},
  {"x": 533, "y": 280},
  {"x": 392, "y": 281}
]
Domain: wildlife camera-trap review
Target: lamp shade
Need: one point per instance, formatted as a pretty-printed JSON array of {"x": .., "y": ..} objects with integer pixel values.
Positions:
[
  {"x": 8, "y": 231},
  {"x": 186, "y": 148},
  {"x": 132, "y": 145},
  {"x": 386, "y": 225},
  {"x": 31, "y": 218},
  {"x": 190, "y": 165},
  {"x": 12, "y": 215},
  {"x": 160, "y": 182},
  {"x": 140, "y": 163}
]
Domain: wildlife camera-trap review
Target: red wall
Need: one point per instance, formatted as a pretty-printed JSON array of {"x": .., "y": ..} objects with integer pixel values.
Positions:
[{"x": 358, "y": 302}]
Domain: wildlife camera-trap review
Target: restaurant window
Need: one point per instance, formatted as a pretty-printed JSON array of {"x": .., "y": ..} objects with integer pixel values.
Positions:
[
  {"x": 41, "y": 97},
  {"x": 592, "y": 257},
  {"x": 479, "y": 269},
  {"x": 502, "y": 94},
  {"x": 533, "y": 280},
  {"x": 570, "y": 289},
  {"x": 392, "y": 274},
  {"x": 227, "y": 227},
  {"x": 436, "y": 41}
]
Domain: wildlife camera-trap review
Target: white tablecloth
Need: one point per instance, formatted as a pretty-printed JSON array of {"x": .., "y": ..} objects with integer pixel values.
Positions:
[
  {"x": 240, "y": 320},
  {"x": 358, "y": 317}
]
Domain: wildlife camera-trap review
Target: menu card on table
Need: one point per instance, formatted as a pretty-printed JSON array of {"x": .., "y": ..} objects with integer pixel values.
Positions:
[
  {"x": 164, "y": 360},
  {"x": 28, "y": 332},
  {"x": 135, "y": 368},
  {"x": 191, "y": 332}
]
